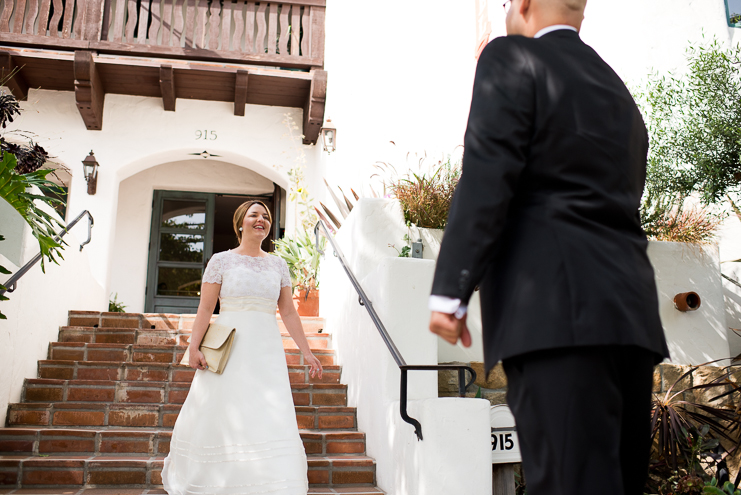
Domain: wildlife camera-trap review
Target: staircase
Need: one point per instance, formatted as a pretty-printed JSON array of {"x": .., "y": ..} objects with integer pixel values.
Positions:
[{"x": 101, "y": 412}]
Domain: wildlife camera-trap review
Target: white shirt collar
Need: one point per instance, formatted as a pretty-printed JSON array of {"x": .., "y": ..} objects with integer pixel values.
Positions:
[{"x": 555, "y": 27}]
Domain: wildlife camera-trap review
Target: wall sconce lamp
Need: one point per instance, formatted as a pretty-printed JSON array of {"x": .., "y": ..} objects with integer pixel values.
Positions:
[
  {"x": 329, "y": 137},
  {"x": 91, "y": 165}
]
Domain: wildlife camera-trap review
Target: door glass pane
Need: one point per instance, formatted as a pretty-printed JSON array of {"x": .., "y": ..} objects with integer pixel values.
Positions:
[
  {"x": 184, "y": 214},
  {"x": 179, "y": 282},
  {"x": 734, "y": 12},
  {"x": 181, "y": 247}
]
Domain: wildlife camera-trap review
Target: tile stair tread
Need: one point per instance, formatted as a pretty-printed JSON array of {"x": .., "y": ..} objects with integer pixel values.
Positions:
[
  {"x": 359, "y": 490},
  {"x": 311, "y": 458},
  {"x": 113, "y": 430},
  {"x": 154, "y": 383},
  {"x": 103, "y": 404}
]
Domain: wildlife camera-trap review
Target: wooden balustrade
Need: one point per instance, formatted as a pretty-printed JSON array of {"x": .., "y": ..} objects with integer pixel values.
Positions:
[{"x": 286, "y": 33}]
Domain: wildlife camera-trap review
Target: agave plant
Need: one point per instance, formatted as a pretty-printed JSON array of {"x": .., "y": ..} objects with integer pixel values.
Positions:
[{"x": 686, "y": 429}]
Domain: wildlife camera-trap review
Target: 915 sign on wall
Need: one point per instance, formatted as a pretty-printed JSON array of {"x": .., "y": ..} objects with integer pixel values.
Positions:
[{"x": 505, "y": 447}]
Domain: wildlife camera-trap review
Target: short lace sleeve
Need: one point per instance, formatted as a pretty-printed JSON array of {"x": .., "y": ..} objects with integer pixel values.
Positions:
[
  {"x": 285, "y": 275},
  {"x": 213, "y": 272}
]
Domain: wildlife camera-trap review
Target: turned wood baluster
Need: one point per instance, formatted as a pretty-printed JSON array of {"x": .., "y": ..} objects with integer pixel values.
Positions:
[
  {"x": 141, "y": 32},
  {"x": 166, "y": 21},
  {"x": 78, "y": 27},
  {"x": 118, "y": 22},
  {"x": 69, "y": 10},
  {"x": 54, "y": 24},
  {"x": 33, "y": 11},
  {"x": 130, "y": 21},
  {"x": 190, "y": 22},
  {"x": 249, "y": 34},
  {"x": 5, "y": 16},
  {"x": 178, "y": 23},
  {"x": 306, "y": 39},
  {"x": 154, "y": 28},
  {"x": 272, "y": 28},
  {"x": 226, "y": 25},
  {"x": 285, "y": 31},
  {"x": 20, "y": 9},
  {"x": 215, "y": 20},
  {"x": 295, "y": 30},
  {"x": 259, "y": 44},
  {"x": 200, "y": 37},
  {"x": 238, "y": 26},
  {"x": 43, "y": 16}
]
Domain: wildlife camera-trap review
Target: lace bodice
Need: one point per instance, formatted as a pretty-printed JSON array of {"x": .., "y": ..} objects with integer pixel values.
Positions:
[{"x": 241, "y": 275}]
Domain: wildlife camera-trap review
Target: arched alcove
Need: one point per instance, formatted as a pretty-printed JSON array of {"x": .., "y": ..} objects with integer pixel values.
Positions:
[{"x": 187, "y": 205}]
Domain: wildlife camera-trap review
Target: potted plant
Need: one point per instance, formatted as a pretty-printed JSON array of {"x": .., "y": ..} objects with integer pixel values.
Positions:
[{"x": 302, "y": 257}]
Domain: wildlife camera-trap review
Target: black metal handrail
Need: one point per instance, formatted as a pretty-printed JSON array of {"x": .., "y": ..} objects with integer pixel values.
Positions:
[
  {"x": 400, "y": 362},
  {"x": 11, "y": 283}
]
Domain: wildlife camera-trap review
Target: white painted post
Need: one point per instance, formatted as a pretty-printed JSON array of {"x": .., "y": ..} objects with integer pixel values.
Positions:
[{"x": 505, "y": 450}]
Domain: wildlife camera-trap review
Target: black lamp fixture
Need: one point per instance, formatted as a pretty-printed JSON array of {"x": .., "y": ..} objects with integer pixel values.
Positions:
[
  {"x": 329, "y": 137},
  {"x": 90, "y": 165}
]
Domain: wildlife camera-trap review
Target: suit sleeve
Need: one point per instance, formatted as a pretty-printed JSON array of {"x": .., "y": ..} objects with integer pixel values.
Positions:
[{"x": 500, "y": 126}]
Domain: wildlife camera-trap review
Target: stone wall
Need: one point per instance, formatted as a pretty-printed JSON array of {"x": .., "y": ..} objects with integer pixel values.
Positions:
[{"x": 494, "y": 387}]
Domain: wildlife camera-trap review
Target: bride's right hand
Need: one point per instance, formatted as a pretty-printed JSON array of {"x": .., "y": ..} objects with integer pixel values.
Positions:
[{"x": 197, "y": 360}]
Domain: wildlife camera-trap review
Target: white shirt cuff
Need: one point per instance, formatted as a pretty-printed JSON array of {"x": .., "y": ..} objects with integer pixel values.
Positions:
[{"x": 449, "y": 305}]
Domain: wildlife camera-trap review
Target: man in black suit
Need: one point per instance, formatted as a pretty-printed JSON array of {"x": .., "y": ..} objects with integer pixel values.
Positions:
[{"x": 545, "y": 221}]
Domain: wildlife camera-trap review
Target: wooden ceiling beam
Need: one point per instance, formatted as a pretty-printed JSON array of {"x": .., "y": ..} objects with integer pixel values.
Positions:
[
  {"x": 167, "y": 86},
  {"x": 10, "y": 73},
  {"x": 89, "y": 92},
  {"x": 240, "y": 92},
  {"x": 314, "y": 108}
]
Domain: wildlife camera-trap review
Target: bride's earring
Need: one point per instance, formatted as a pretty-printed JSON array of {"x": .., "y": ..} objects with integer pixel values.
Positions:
[{"x": 240, "y": 229}]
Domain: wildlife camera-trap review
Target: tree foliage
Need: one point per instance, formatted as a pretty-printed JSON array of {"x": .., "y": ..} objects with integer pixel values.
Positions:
[{"x": 694, "y": 125}]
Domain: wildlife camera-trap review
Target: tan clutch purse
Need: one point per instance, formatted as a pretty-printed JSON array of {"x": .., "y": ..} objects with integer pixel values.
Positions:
[{"x": 215, "y": 346}]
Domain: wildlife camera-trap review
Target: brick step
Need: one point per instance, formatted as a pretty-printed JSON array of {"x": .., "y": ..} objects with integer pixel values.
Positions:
[
  {"x": 95, "y": 471},
  {"x": 157, "y": 372},
  {"x": 159, "y": 321},
  {"x": 143, "y": 371},
  {"x": 354, "y": 490},
  {"x": 121, "y": 442},
  {"x": 92, "y": 414},
  {"x": 324, "y": 392},
  {"x": 135, "y": 353}
]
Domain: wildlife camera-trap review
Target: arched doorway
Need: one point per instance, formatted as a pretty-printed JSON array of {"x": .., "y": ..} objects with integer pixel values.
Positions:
[{"x": 187, "y": 228}]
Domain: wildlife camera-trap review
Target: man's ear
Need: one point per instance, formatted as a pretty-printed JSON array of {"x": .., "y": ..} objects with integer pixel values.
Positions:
[{"x": 525, "y": 6}]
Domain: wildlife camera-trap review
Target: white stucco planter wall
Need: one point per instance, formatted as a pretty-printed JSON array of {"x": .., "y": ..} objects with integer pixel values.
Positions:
[
  {"x": 454, "y": 456},
  {"x": 694, "y": 337},
  {"x": 39, "y": 305}
]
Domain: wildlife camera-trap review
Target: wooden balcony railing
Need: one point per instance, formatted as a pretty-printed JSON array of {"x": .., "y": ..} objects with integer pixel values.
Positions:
[{"x": 287, "y": 33}]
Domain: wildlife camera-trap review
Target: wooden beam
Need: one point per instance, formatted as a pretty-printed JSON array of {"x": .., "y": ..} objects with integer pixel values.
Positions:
[
  {"x": 10, "y": 74},
  {"x": 167, "y": 86},
  {"x": 314, "y": 108},
  {"x": 89, "y": 93},
  {"x": 240, "y": 92}
]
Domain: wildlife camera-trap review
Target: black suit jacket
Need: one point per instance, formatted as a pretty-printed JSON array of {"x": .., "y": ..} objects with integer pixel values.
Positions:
[{"x": 545, "y": 217}]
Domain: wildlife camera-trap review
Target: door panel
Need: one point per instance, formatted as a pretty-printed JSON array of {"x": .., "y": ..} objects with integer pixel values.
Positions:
[{"x": 181, "y": 242}]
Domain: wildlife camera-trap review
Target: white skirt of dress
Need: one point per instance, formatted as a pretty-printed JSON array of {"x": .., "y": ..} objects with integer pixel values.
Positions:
[{"x": 237, "y": 433}]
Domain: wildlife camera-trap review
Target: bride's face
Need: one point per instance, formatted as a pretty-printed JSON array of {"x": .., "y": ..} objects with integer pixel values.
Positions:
[{"x": 256, "y": 223}]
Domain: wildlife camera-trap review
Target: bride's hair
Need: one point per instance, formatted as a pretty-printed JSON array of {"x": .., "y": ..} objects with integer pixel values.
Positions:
[{"x": 240, "y": 213}]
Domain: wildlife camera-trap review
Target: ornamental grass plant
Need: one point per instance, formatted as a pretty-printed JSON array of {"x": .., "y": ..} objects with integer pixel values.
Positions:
[{"x": 425, "y": 197}]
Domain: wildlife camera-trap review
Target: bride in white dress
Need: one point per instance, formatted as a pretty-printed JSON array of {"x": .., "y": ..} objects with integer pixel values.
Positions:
[{"x": 237, "y": 432}]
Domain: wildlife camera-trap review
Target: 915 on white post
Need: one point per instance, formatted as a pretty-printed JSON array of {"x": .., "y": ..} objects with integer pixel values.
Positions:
[{"x": 505, "y": 447}]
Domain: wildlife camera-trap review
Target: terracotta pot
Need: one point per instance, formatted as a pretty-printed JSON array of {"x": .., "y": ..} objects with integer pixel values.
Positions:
[{"x": 307, "y": 306}]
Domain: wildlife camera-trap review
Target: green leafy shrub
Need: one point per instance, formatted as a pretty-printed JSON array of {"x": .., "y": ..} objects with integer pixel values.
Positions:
[
  {"x": 116, "y": 306},
  {"x": 302, "y": 258}
]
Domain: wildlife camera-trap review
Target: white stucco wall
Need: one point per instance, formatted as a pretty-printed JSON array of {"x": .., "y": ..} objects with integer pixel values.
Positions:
[
  {"x": 39, "y": 305},
  {"x": 130, "y": 254},
  {"x": 454, "y": 456},
  {"x": 138, "y": 134}
]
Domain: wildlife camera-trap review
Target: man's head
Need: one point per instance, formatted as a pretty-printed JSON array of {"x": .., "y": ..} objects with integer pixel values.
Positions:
[{"x": 527, "y": 17}]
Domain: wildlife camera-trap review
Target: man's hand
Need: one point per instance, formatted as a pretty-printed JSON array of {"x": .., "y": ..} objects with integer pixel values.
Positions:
[{"x": 450, "y": 328}]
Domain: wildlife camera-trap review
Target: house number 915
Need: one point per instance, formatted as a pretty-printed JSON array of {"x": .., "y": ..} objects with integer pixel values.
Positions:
[
  {"x": 504, "y": 442},
  {"x": 206, "y": 135}
]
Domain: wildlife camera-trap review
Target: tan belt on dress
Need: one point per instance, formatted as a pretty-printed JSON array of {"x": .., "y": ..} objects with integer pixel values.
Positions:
[{"x": 247, "y": 303}]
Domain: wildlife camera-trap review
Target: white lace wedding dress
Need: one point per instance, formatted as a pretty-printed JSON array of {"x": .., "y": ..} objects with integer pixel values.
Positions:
[{"x": 237, "y": 432}]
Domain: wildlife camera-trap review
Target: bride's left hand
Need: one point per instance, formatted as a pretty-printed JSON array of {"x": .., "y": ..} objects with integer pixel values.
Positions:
[{"x": 315, "y": 367}]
